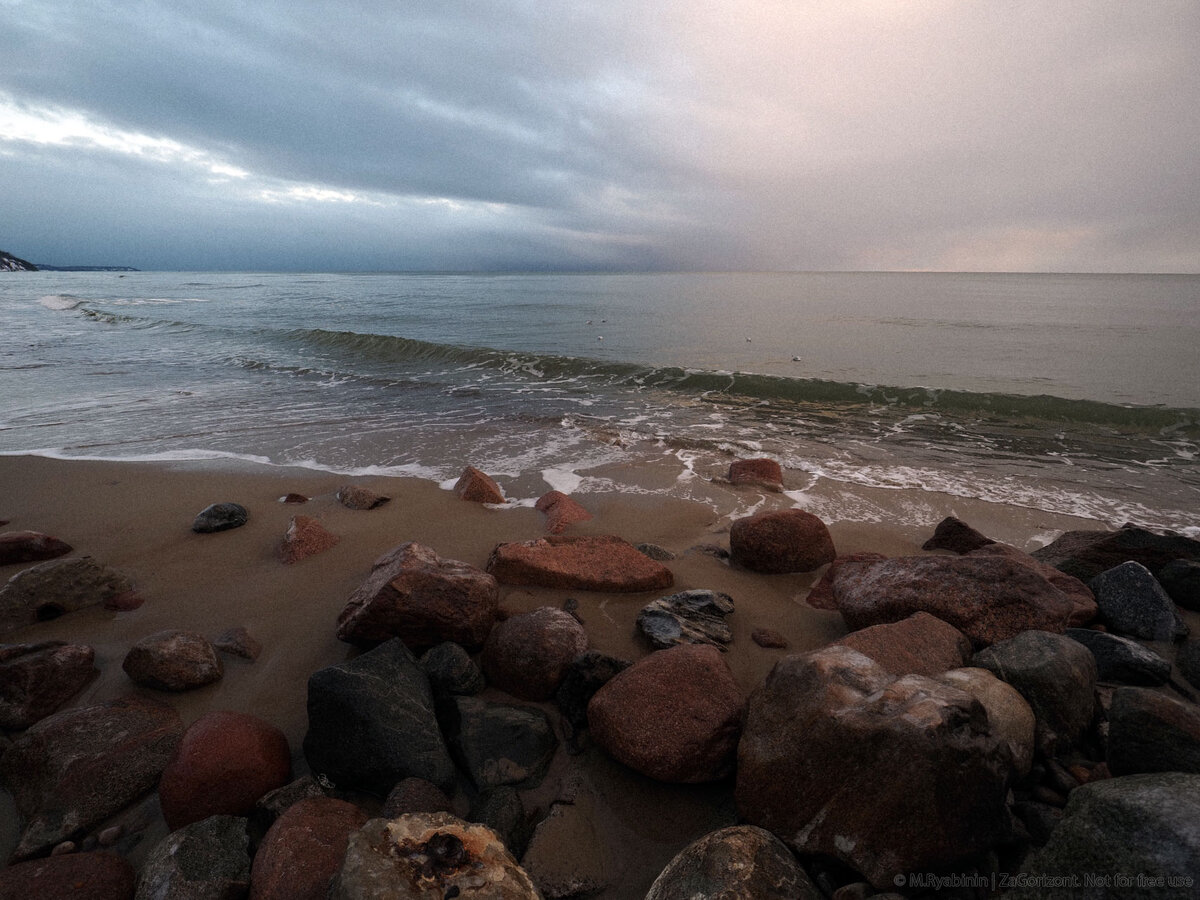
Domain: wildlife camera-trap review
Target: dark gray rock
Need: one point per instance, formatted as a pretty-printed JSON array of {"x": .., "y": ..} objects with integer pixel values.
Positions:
[
  {"x": 499, "y": 744},
  {"x": 957, "y": 536},
  {"x": 274, "y": 804},
  {"x": 51, "y": 589},
  {"x": 1181, "y": 580},
  {"x": 415, "y": 795},
  {"x": 371, "y": 722},
  {"x": 688, "y": 617},
  {"x": 1039, "y": 819},
  {"x": 1187, "y": 660},
  {"x": 205, "y": 860},
  {"x": 1085, "y": 554},
  {"x": 36, "y": 679},
  {"x": 587, "y": 673},
  {"x": 451, "y": 670},
  {"x": 500, "y": 809},
  {"x": 737, "y": 862},
  {"x": 1151, "y": 732},
  {"x": 1132, "y": 602},
  {"x": 655, "y": 552},
  {"x": 220, "y": 517},
  {"x": 1122, "y": 660}
]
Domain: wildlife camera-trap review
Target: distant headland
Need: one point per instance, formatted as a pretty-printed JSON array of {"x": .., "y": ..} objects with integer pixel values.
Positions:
[{"x": 10, "y": 263}]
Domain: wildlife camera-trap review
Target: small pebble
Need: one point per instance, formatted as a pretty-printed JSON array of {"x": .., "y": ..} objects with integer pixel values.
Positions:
[
  {"x": 110, "y": 835},
  {"x": 64, "y": 848}
]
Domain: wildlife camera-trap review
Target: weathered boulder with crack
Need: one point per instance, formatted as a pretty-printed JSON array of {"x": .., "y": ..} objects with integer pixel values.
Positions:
[
  {"x": 820, "y": 595},
  {"x": 689, "y": 617},
  {"x": 478, "y": 487},
  {"x": 497, "y": 743},
  {"x": 173, "y": 660},
  {"x": 429, "y": 856},
  {"x": 528, "y": 654},
  {"x": 780, "y": 541},
  {"x": 919, "y": 645},
  {"x": 70, "y": 876},
  {"x": 51, "y": 589},
  {"x": 890, "y": 775},
  {"x": 30, "y": 546},
  {"x": 78, "y": 767},
  {"x": 741, "y": 862},
  {"x": 1057, "y": 677},
  {"x": 304, "y": 850},
  {"x": 1122, "y": 660},
  {"x": 1132, "y": 602},
  {"x": 674, "y": 715},
  {"x": 305, "y": 537},
  {"x": 209, "y": 858},
  {"x": 36, "y": 679},
  {"x": 220, "y": 517},
  {"x": 1151, "y": 732},
  {"x": 584, "y": 563},
  {"x": 415, "y": 595},
  {"x": 371, "y": 722},
  {"x": 1085, "y": 554}
]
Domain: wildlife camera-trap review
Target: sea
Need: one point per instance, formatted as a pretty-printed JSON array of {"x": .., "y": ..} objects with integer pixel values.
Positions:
[{"x": 1072, "y": 394}]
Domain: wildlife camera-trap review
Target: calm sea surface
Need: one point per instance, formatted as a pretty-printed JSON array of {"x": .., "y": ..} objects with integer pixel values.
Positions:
[{"x": 1069, "y": 393}]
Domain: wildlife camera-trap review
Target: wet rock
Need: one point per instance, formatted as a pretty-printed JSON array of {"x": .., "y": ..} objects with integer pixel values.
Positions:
[
  {"x": 76, "y": 876},
  {"x": 51, "y": 589},
  {"x": 1188, "y": 661},
  {"x": 561, "y": 511},
  {"x": 429, "y": 857},
  {"x": 586, "y": 869},
  {"x": 305, "y": 537},
  {"x": 1082, "y": 600},
  {"x": 655, "y": 552},
  {"x": 273, "y": 804},
  {"x": 769, "y": 639},
  {"x": 763, "y": 473},
  {"x": 956, "y": 536},
  {"x": 1057, "y": 677},
  {"x": 889, "y": 775},
  {"x": 451, "y": 670},
  {"x": 501, "y": 809},
  {"x": 415, "y": 595},
  {"x": 689, "y": 617},
  {"x": 304, "y": 850},
  {"x": 737, "y": 862},
  {"x": 415, "y": 795},
  {"x": 1181, "y": 580},
  {"x": 921, "y": 645},
  {"x": 224, "y": 764},
  {"x": 499, "y": 744},
  {"x": 1151, "y": 732},
  {"x": 293, "y": 498},
  {"x": 597, "y": 563},
  {"x": 1122, "y": 660},
  {"x": 206, "y": 859},
  {"x": 1010, "y": 718},
  {"x": 220, "y": 517},
  {"x": 1085, "y": 554},
  {"x": 1132, "y": 602},
  {"x": 36, "y": 679},
  {"x": 371, "y": 723},
  {"x": 73, "y": 770},
  {"x": 528, "y": 654},
  {"x": 30, "y": 546},
  {"x": 237, "y": 641},
  {"x": 352, "y": 496},
  {"x": 586, "y": 674},
  {"x": 789, "y": 540},
  {"x": 478, "y": 487},
  {"x": 173, "y": 660},
  {"x": 820, "y": 596},
  {"x": 674, "y": 715}
]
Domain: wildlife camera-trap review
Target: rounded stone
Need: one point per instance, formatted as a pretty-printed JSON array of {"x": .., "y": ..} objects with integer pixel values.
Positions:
[
  {"x": 789, "y": 540},
  {"x": 304, "y": 849},
  {"x": 528, "y": 654},
  {"x": 173, "y": 660},
  {"x": 220, "y": 517}
]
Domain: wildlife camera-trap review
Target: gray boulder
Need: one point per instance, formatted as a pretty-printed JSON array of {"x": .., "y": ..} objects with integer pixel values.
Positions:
[
  {"x": 688, "y": 617},
  {"x": 1085, "y": 554},
  {"x": 451, "y": 670},
  {"x": 1122, "y": 660},
  {"x": 1151, "y": 732},
  {"x": 205, "y": 860},
  {"x": 220, "y": 517},
  {"x": 1132, "y": 602},
  {"x": 737, "y": 863},
  {"x": 499, "y": 744}
]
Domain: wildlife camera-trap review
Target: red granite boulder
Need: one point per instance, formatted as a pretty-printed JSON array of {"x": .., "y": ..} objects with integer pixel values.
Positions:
[
  {"x": 789, "y": 540},
  {"x": 36, "y": 679},
  {"x": 173, "y": 660},
  {"x": 30, "y": 546},
  {"x": 1083, "y": 601},
  {"x": 527, "y": 655},
  {"x": 70, "y": 876},
  {"x": 305, "y": 537},
  {"x": 304, "y": 850},
  {"x": 478, "y": 487},
  {"x": 919, "y": 645},
  {"x": 593, "y": 563},
  {"x": 560, "y": 511},
  {"x": 763, "y": 473},
  {"x": 820, "y": 595},
  {"x": 957, "y": 536}
]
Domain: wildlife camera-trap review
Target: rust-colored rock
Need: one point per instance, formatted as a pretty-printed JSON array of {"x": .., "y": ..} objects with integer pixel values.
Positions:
[
  {"x": 919, "y": 645},
  {"x": 305, "y": 537},
  {"x": 352, "y": 496},
  {"x": 594, "y": 563},
  {"x": 820, "y": 596},
  {"x": 72, "y": 876},
  {"x": 763, "y": 473},
  {"x": 674, "y": 715},
  {"x": 561, "y": 511},
  {"x": 304, "y": 850},
  {"x": 1083, "y": 601},
  {"x": 957, "y": 536},
  {"x": 478, "y": 487},
  {"x": 30, "y": 546},
  {"x": 769, "y": 639},
  {"x": 527, "y": 655},
  {"x": 36, "y": 679},
  {"x": 789, "y": 540},
  {"x": 415, "y": 595},
  {"x": 173, "y": 660},
  {"x": 225, "y": 762}
]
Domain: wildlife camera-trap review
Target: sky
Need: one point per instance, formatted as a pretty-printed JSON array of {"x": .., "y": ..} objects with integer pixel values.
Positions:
[{"x": 1059, "y": 135}]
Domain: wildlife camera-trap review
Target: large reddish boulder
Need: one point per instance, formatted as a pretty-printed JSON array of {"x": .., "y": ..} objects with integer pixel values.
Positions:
[
  {"x": 560, "y": 511},
  {"x": 173, "y": 660},
  {"x": 890, "y": 775},
  {"x": 674, "y": 715},
  {"x": 76, "y": 768},
  {"x": 304, "y": 850},
  {"x": 820, "y": 595},
  {"x": 789, "y": 540},
  {"x": 305, "y": 537},
  {"x": 528, "y": 655},
  {"x": 415, "y": 595},
  {"x": 919, "y": 645},
  {"x": 1083, "y": 601},
  {"x": 70, "y": 876},
  {"x": 957, "y": 536},
  {"x": 478, "y": 487},
  {"x": 30, "y": 546},
  {"x": 225, "y": 762},
  {"x": 762, "y": 472},
  {"x": 595, "y": 563},
  {"x": 36, "y": 679}
]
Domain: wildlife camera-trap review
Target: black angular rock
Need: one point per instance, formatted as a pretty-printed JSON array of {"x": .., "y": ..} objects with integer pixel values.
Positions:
[
  {"x": 1122, "y": 660},
  {"x": 1085, "y": 554},
  {"x": 220, "y": 517},
  {"x": 500, "y": 809},
  {"x": 1181, "y": 580},
  {"x": 688, "y": 617},
  {"x": 587, "y": 673},
  {"x": 451, "y": 670},
  {"x": 1187, "y": 660},
  {"x": 1132, "y": 602},
  {"x": 1151, "y": 732},
  {"x": 499, "y": 744}
]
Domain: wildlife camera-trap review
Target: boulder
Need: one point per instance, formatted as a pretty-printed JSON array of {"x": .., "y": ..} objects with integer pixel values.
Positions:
[
  {"x": 594, "y": 563},
  {"x": 769, "y": 639},
  {"x": 173, "y": 660},
  {"x": 1132, "y": 602},
  {"x": 224, "y": 764},
  {"x": 527, "y": 655},
  {"x": 304, "y": 850},
  {"x": 956, "y": 536},
  {"x": 740, "y": 863},
  {"x": 674, "y": 715},
  {"x": 501, "y": 810},
  {"x": 1057, "y": 677},
  {"x": 70, "y": 876},
  {"x": 498, "y": 744},
  {"x": 478, "y": 487},
  {"x": 763, "y": 473},
  {"x": 689, "y": 617},
  {"x": 820, "y": 595},
  {"x": 1187, "y": 659},
  {"x": 889, "y": 775},
  {"x": 220, "y": 517},
  {"x": 305, "y": 537},
  {"x": 205, "y": 859},
  {"x": 76, "y": 768},
  {"x": 429, "y": 857},
  {"x": 30, "y": 546},
  {"x": 789, "y": 540},
  {"x": 1151, "y": 732},
  {"x": 1081, "y": 597},
  {"x": 586, "y": 674},
  {"x": 1009, "y": 716},
  {"x": 371, "y": 723},
  {"x": 237, "y": 641},
  {"x": 1085, "y": 554},
  {"x": 273, "y": 804},
  {"x": 1122, "y": 660},
  {"x": 51, "y": 589},
  {"x": 415, "y": 595},
  {"x": 1181, "y": 580},
  {"x": 36, "y": 679},
  {"x": 352, "y": 496},
  {"x": 920, "y": 645},
  {"x": 987, "y": 598},
  {"x": 415, "y": 795},
  {"x": 561, "y": 511},
  {"x": 451, "y": 670}
]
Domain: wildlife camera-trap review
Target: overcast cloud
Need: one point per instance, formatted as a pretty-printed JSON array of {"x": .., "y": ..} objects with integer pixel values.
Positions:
[{"x": 1028, "y": 136}]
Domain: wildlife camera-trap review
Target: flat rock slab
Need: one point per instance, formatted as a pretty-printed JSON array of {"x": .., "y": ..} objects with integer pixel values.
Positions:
[
  {"x": 594, "y": 563},
  {"x": 499, "y": 744},
  {"x": 51, "y": 589},
  {"x": 30, "y": 546},
  {"x": 36, "y": 679},
  {"x": 689, "y": 617}
]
